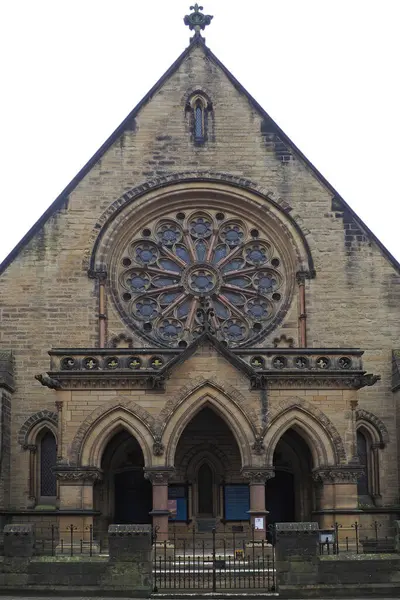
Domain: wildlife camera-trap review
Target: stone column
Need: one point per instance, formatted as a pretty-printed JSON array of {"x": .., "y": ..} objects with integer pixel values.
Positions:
[
  {"x": 338, "y": 492},
  {"x": 159, "y": 477},
  {"x": 76, "y": 495},
  {"x": 32, "y": 475},
  {"x": 258, "y": 514},
  {"x": 376, "y": 485}
]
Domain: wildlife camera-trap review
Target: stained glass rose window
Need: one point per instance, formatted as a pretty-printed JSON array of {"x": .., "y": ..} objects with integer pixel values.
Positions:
[{"x": 170, "y": 267}]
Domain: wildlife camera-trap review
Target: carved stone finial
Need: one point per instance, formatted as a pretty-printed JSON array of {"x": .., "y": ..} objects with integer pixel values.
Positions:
[
  {"x": 205, "y": 314},
  {"x": 197, "y": 20}
]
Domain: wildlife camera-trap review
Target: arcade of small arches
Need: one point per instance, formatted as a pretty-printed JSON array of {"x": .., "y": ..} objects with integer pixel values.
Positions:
[{"x": 211, "y": 469}]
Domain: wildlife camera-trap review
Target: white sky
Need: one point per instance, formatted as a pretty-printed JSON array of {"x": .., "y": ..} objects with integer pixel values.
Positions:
[{"x": 326, "y": 70}]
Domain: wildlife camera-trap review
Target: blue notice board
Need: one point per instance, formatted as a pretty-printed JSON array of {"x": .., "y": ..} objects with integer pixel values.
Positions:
[
  {"x": 237, "y": 502},
  {"x": 178, "y": 493}
]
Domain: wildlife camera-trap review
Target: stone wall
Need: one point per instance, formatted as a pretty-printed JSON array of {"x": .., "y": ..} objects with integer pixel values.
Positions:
[
  {"x": 127, "y": 570},
  {"x": 302, "y": 572}
]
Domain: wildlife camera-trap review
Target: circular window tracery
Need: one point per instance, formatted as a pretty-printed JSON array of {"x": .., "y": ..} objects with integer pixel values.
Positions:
[{"x": 186, "y": 257}]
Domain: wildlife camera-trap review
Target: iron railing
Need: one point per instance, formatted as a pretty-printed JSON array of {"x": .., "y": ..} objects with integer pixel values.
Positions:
[
  {"x": 358, "y": 539},
  {"x": 212, "y": 562},
  {"x": 70, "y": 541}
]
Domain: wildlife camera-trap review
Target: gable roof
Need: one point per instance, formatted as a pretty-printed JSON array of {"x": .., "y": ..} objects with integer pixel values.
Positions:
[
  {"x": 196, "y": 41},
  {"x": 221, "y": 348}
]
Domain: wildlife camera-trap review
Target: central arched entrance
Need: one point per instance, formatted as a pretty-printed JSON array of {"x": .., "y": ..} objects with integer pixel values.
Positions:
[
  {"x": 124, "y": 495},
  {"x": 208, "y": 487},
  {"x": 289, "y": 495}
]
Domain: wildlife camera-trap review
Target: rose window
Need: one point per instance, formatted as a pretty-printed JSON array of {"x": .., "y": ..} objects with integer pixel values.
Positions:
[{"x": 169, "y": 269}]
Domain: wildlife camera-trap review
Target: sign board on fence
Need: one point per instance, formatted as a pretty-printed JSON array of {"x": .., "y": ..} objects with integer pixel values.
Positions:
[{"x": 326, "y": 537}]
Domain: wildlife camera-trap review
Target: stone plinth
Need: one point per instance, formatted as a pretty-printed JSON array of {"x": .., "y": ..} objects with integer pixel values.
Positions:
[
  {"x": 19, "y": 540},
  {"x": 296, "y": 551},
  {"x": 296, "y": 541},
  {"x": 127, "y": 542}
]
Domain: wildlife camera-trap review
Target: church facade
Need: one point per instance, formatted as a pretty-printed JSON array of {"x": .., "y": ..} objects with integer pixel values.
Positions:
[{"x": 199, "y": 330}]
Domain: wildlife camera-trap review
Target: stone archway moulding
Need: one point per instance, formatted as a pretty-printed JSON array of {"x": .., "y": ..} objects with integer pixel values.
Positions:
[
  {"x": 223, "y": 406},
  {"x": 289, "y": 223},
  {"x": 106, "y": 419},
  {"x": 379, "y": 428},
  {"x": 42, "y": 417},
  {"x": 227, "y": 390},
  {"x": 326, "y": 443}
]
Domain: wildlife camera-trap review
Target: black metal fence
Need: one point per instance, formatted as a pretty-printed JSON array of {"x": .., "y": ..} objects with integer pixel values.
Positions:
[
  {"x": 229, "y": 543},
  {"x": 358, "y": 538},
  {"x": 215, "y": 561},
  {"x": 70, "y": 541}
]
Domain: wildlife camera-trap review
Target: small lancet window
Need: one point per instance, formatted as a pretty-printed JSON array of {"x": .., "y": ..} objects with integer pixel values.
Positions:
[
  {"x": 48, "y": 457},
  {"x": 199, "y": 107},
  {"x": 199, "y": 123}
]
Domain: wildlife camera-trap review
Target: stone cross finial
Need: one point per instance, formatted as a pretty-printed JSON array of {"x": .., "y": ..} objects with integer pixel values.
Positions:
[
  {"x": 205, "y": 315},
  {"x": 197, "y": 20}
]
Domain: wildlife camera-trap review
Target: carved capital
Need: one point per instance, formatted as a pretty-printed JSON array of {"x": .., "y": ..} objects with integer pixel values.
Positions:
[
  {"x": 159, "y": 475},
  {"x": 74, "y": 475},
  {"x": 257, "y": 475},
  {"x": 338, "y": 475},
  {"x": 59, "y": 405}
]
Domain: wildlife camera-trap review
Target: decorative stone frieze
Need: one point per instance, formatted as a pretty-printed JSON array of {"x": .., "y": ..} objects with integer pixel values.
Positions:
[
  {"x": 338, "y": 474},
  {"x": 149, "y": 369},
  {"x": 257, "y": 475},
  {"x": 73, "y": 475}
]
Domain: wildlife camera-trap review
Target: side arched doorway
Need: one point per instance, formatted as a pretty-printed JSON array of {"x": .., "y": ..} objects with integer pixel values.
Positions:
[
  {"x": 289, "y": 495},
  {"x": 124, "y": 495}
]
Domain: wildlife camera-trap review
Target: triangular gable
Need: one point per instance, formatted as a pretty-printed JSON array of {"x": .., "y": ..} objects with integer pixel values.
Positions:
[
  {"x": 338, "y": 203},
  {"x": 223, "y": 350}
]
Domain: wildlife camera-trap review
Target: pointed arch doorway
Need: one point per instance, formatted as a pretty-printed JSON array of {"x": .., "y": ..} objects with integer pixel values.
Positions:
[
  {"x": 208, "y": 473},
  {"x": 289, "y": 496},
  {"x": 124, "y": 496}
]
